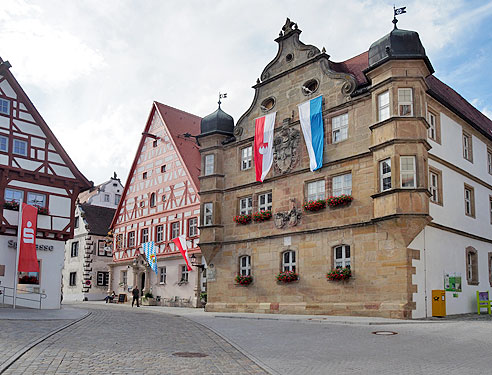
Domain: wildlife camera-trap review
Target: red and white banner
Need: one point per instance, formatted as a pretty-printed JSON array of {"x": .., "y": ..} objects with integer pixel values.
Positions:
[
  {"x": 28, "y": 260},
  {"x": 180, "y": 242},
  {"x": 264, "y": 145}
]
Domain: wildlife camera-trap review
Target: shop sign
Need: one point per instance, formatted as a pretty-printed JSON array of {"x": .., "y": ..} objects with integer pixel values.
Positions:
[
  {"x": 13, "y": 245},
  {"x": 452, "y": 282}
]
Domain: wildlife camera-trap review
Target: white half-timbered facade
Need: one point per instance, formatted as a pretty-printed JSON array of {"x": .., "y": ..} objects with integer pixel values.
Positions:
[{"x": 34, "y": 167}]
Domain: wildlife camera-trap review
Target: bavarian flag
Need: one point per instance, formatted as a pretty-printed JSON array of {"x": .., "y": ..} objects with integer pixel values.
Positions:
[
  {"x": 311, "y": 118},
  {"x": 150, "y": 255}
]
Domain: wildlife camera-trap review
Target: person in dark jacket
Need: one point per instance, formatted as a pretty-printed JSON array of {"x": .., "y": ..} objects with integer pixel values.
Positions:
[{"x": 135, "y": 294}]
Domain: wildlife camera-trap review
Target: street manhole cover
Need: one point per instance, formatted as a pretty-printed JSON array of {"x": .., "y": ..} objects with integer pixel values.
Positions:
[
  {"x": 385, "y": 333},
  {"x": 190, "y": 355}
]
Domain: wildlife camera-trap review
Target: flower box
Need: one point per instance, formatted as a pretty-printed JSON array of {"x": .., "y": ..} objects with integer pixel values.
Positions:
[
  {"x": 243, "y": 279},
  {"x": 315, "y": 205},
  {"x": 14, "y": 206},
  {"x": 42, "y": 210},
  {"x": 287, "y": 276},
  {"x": 340, "y": 200},
  {"x": 338, "y": 274},
  {"x": 260, "y": 216},
  {"x": 242, "y": 219}
]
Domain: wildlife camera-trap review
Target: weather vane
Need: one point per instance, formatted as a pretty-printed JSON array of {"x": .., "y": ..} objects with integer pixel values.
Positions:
[
  {"x": 222, "y": 96},
  {"x": 397, "y": 12}
]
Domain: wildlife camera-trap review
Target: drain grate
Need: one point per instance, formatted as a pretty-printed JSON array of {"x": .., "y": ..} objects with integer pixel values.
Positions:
[
  {"x": 384, "y": 333},
  {"x": 190, "y": 355}
]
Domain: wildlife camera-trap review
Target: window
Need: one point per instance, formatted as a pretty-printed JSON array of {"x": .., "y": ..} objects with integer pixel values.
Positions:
[
  {"x": 432, "y": 126},
  {"x": 131, "y": 239},
  {"x": 101, "y": 251},
  {"x": 315, "y": 190},
  {"x": 152, "y": 200},
  {"x": 385, "y": 174},
  {"x": 159, "y": 233},
  {"x": 75, "y": 249},
  {"x": 154, "y": 144},
  {"x": 175, "y": 230},
  {"x": 117, "y": 198},
  {"x": 339, "y": 128},
  {"x": 162, "y": 275},
  {"x": 435, "y": 185},
  {"x": 30, "y": 277},
  {"x": 76, "y": 223},
  {"x": 469, "y": 201},
  {"x": 207, "y": 213},
  {"x": 490, "y": 208},
  {"x": 184, "y": 274},
  {"x": 4, "y": 144},
  {"x": 245, "y": 206},
  {"x": 193, "y": 227},
  {"x": 106, "y": 197},
  {"x": 342, "y": 185},
  {"x": 245, "y": 265},
  {"x": 246, "y": 157},
  {"x": 73, "y": 278},
  {"x": 408, "y": 175},
  {"x": 163, "y": 168},
  {"x": 12, "y": 195},
  {"x": 102, "y": 278},
  {"x": 144, "y": 235},
  {"x": 265, "y": 202},
  {"x": 4, "y": 106},
  {"x": 289, "y": 261},
  {"x": 405, "y": 102},
  {"x": 124, "y": 277},
  {"x": 467, "y": 147},
  {"x": 489, "y": 161},
  {"x": 383, "y": 106},
  {"x": 144, "y": 175},
  {"x": 142, "y": 204},
  {"x": 471, "y": 265},
  {"x": 490, "y": 267},
  {"x": 35, "y": 199},
  {"x": 119, "y": 241},
  {"x": 209, "y": 164},
  {"x": 342, "y": 256},
  {"x": 20, "y": 147}
]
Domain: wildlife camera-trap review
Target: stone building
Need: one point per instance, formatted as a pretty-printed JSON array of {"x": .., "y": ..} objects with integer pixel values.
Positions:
[
  {"x": 87, "y": 255},
  {"x": 415, "y": 157},
  {"x": 160, "y": 202}
]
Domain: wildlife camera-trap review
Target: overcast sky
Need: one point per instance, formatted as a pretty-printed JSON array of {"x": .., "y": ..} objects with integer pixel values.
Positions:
[{"x": 93, "y": 68}]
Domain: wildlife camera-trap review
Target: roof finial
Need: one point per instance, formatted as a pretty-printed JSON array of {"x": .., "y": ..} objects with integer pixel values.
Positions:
[
  {"x": 222, "y": 96},
  {"x": 396, "y": 12}
]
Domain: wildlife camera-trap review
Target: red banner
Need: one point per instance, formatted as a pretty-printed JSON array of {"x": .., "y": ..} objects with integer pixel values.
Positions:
[{"x": 28, "y": 260}]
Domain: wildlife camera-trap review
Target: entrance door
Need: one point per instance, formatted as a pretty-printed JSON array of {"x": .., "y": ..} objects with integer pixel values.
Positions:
[{"x": 142, "y": 280}]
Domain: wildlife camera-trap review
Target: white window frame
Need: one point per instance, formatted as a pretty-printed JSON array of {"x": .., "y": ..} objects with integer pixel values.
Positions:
[
  {"x": 342, "y": 261},
  {"x": 489, "y": 161},
  {"x": 383, "y": 175},
  {"x": 16, "y": 149},
  {"x": 209, "y": 164},
  {"x": 5, "y": 103},
  {"x": 267, "y": 204},
  {"x": 341, "y": 184},
  {"x": 102, "y": 278},
  {"x": 384, "y": 110},
  {"x": 175, "y": 229},
  {"x": 101, "y": 251},
  {"x": 17, "y": 195},
  {"x": 339, "y": 128},
  {"x": 106, "y": 197},
  {"x": 490, "y": 208},
  {"x": 315, "y": 190},
  {"x": 4, "y": 144},
  {"x": 405, "y": 173},
  {"x": 184, "y": 274},
  {"x": 468, "y": 201},
  {"x": 245, "y": 265},
  {"x": 432, "y": 126},
  {"x": 124, "y": 277},
  {"x": 159, "y": 233},
  {"x": 208, "y": 213},
  {"x": 246, "y": 158},
  {"x": 72, "y": 279},
  {"x": 74, "y": 249},
  {"x": 152, "y": 201},
  {"x": 36, "y": 199},
  {"x": 117, "y": 198},
  {"x": 467, "y": 150},
  {"x": 144, "y": 235},
  {"x": 289, "y": 261},
  {"x": 403, "y": 102},
  {"x": 131, "y": 239},
  {"x": 193, "y": 227},
  {"x": 434, "y": 186},
  {"x": 246, "y": 206},
  {"x": 162, "y": 275}
]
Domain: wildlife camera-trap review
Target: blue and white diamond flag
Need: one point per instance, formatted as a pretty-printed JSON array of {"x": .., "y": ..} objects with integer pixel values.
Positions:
[{"x": 150, "y": 255}]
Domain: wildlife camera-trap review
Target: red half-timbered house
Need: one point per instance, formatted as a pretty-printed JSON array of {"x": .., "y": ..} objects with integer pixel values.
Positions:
[
  {"x": 34, "y": 167},
  {"x": 160, "y": 202}
]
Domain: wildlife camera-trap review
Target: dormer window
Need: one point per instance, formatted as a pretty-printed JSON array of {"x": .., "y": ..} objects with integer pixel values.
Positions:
[{"x": 405, "y": 102}]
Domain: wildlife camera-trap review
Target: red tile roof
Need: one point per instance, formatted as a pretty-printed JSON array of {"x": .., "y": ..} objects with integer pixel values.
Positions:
[{"x": 354, "y": 66}]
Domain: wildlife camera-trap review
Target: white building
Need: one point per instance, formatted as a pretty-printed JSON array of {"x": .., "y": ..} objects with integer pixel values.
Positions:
[{"x": 33, "y": 167}]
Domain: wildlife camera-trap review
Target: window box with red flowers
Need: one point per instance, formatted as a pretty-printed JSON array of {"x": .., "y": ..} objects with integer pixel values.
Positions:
[
  {"x": 316, "y": 205},
  {"x": 42, "y": 210},
  {"x": 243, "y": 279},
  {"x": 242, "y": 219},
  {"x": 340, "y": 200},
  {"x": 11, "y": 205},
  {"x": 287, "y": 276},
  {"x": 339, "y": 274},
  {"x": 260, "y": 216}
]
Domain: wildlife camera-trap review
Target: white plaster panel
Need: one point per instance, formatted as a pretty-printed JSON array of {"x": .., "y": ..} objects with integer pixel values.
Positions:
[
  {"x": 4, "y": 159},
  {"x": 59, "y": 223},
  {"x": 60, "y": 206},
  {"x": 50, "y": 147},
  {"x": 53, "y": 156},
  {"x": 44, "y": 222},
  {"x": 20, "y": 135},
  {"x": 33, "y": 153},
  {"x": 196, "y": 212},
  {"x": 22, "y": 106},
  {"x": 26, "y": 164},
  {"x": 25, "y": 116},
  {"x": 4, "y": 122},
  {"x": 29, "y": 128},
  {"x": 62, "y": 171},
  {"x": 187, "y": 214},
  {"x": 7, "y": 89}
]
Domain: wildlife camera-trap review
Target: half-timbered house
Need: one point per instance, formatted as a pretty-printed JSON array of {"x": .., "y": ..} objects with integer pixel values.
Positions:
[
  {"x": 160, "y": 202},
  {"x": 34, "y": 168}
]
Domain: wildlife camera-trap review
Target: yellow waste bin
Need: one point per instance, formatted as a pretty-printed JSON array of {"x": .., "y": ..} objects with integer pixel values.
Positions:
[{"x": 438, "y": 303}]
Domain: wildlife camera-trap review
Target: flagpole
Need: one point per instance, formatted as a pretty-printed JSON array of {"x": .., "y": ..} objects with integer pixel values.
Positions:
[{"x": 16, "y": 273}]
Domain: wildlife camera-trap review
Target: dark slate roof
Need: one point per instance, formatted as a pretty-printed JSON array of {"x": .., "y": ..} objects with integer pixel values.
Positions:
[
  {"x": 98, "y": 218},
  {"x": 217, "y": 122}
]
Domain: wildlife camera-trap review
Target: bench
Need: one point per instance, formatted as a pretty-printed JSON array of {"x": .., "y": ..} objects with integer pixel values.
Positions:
[{"x": 483, "y": 301}]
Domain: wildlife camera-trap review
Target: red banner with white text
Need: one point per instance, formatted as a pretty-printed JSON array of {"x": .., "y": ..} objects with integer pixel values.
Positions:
[{"x": 28, "y": 259}]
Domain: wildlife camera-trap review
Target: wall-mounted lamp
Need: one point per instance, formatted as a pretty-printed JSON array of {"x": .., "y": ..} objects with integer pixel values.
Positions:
[{"x": 194, "y": 264}]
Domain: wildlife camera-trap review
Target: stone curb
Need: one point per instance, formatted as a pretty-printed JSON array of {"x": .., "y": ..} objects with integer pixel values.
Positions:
[{"x": 9, "y": 362}]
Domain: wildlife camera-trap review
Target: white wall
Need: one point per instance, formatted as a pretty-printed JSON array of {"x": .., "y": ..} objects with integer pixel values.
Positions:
[{"x": 110, "y": 188}]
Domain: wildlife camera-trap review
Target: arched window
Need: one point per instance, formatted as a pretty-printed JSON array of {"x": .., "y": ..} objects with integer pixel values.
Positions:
[
  {"x": 152, "y": 200},
  {"x": 341, "y": 255},
  {"x": 245, "y": 265},
  {"x": 289, "y": 261}
]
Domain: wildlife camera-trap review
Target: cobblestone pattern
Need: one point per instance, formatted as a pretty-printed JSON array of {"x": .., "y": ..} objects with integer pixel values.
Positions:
[
  {"x": 133, "y": 342},
  {"x": 15, "y": 334}
]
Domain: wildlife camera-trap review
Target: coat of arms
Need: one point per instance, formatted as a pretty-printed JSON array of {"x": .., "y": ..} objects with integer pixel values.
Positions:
[
  {"x": 288, "y": 218},
  {"x": 285, "y": 150}
]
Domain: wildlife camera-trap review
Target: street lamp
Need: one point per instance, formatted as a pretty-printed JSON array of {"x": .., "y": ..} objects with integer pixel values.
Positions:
[{"x": 194, "y": 264}]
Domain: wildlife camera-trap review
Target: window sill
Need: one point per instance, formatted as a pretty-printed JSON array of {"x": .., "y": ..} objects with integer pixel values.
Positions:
[
  {"x": 473, "y": 282},
  {"x": 398, "y": 190}
]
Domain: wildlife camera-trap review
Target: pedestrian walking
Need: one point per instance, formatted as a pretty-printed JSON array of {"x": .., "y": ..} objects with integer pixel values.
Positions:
[{"x": 135, "y": 294}]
